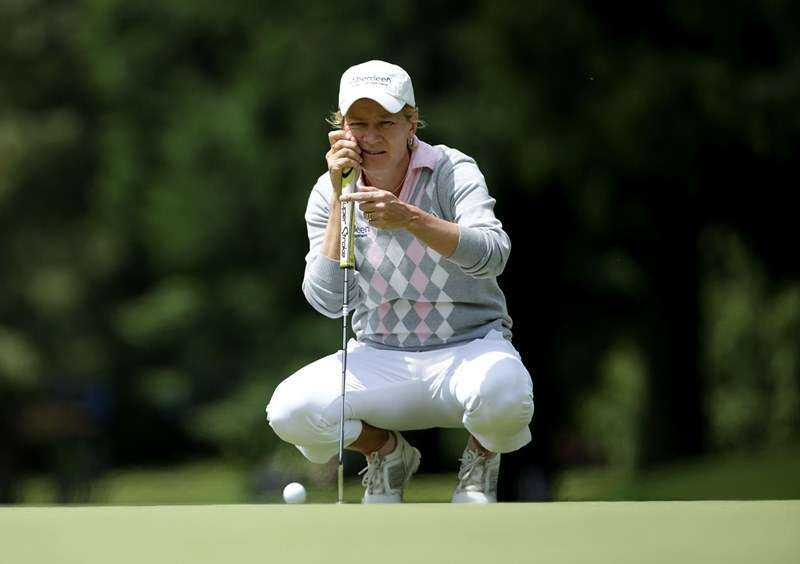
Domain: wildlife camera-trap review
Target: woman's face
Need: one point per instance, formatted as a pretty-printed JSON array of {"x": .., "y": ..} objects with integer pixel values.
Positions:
[{"x": 383, "y": 137}]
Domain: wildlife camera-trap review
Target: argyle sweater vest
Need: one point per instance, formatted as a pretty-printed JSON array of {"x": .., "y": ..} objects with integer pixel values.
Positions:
[{"x": 405, "y": 295}]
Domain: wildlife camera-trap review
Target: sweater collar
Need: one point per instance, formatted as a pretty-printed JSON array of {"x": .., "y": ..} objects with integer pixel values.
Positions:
[{"x": 422, "y": 155}]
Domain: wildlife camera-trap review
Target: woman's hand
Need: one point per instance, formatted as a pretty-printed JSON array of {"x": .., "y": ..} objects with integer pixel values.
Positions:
[
  {"x": 343, "y": 154},
  {"x": 381, "y": 208}
]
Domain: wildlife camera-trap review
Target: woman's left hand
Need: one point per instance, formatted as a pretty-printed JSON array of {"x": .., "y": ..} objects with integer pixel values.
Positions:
[{"x": 381, "y": 208}]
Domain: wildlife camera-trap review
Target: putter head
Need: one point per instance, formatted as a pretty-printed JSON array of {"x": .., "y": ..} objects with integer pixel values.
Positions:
[{"x": 341, "y": 482}]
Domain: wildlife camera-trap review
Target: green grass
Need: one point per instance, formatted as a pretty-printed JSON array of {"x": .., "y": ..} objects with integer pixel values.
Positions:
[
  {"x": 769, "y": 474},
  {"x": 619, "y": 533},
  {"x": 204, "y": 482},
  {"x": 217, "y": 483},
  {"x": 765, "y": 475},
  {"x": 143, "y": 524}
]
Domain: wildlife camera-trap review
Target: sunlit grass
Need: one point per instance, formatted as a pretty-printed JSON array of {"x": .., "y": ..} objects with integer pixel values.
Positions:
[
  {"x": 217, "y": 483},
  {"x": 764, "y": 475},
  {"x": 621, "y": 533}
]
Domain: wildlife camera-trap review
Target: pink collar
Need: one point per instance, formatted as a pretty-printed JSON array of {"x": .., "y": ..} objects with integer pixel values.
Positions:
[{"x": 423, "y": 155}]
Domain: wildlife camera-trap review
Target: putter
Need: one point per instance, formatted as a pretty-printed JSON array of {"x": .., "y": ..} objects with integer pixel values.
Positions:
[{"x": 347, "y": 262}]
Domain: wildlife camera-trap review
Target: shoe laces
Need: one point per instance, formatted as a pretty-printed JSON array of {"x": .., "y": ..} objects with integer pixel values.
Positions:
[
  {"x": 472, "y": 464},
  {"x": 373, "y": 474}
]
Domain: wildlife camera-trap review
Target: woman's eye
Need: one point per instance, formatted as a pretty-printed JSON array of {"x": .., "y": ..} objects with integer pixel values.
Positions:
[{"x": 387, "y": 123}]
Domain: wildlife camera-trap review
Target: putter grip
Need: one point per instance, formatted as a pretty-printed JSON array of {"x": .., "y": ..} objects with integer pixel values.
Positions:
[{"x": 347, "y": 255}]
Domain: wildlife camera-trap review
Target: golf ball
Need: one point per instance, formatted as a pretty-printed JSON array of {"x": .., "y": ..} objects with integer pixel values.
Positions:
[{"x": 294, "y": 493}]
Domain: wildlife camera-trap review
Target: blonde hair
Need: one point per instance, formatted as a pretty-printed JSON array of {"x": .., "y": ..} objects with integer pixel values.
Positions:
[{"x": 336, "y": 119}]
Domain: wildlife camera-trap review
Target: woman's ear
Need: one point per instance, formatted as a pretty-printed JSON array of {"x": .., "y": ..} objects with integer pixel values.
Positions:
[{"x": 413, "y": 126}]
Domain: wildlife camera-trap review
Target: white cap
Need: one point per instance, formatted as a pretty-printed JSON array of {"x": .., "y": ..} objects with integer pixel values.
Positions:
[{"x": 387, "y": 84}]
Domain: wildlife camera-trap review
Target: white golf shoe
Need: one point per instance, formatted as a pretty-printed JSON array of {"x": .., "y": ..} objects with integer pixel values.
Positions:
[
  {"x": 385, "y": 477},
  {"x": 477, "y": 478}
]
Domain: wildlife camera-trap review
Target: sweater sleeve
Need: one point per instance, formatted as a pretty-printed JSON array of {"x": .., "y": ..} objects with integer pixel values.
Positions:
[
  {"x": 483, "y": 245},
  {"x": 323, "y": 280}
]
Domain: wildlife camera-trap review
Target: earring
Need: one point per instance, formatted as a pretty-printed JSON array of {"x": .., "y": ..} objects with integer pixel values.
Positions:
[{"x": 410, "y": 142}]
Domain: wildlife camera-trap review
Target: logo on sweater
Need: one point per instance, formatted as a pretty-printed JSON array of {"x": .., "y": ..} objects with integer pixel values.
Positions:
[{"x": 361, "y": 231}]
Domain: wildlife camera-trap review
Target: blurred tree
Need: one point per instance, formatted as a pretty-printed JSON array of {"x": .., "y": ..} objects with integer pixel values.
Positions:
[{"x": 155, "y": 161}]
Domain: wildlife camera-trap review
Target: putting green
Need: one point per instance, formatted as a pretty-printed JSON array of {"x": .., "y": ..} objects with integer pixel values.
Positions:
[{"x": 652, "y": 532}]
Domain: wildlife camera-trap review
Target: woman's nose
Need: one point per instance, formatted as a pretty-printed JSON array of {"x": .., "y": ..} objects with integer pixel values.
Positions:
[{"x": 371, "y": 135}]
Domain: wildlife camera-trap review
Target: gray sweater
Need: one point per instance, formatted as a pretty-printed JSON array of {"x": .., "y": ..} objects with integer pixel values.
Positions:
[{"x": 405, "y": 295}]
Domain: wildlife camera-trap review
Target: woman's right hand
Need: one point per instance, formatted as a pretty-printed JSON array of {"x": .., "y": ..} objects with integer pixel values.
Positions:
[{"x": 344, "y": 154}]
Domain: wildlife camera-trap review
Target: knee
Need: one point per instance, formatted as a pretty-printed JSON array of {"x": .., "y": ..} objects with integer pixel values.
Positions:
[
  {"x": 280, "y": 412},
  {"x": 291, "y": 415},
  {"x": 505, "y": 399}
]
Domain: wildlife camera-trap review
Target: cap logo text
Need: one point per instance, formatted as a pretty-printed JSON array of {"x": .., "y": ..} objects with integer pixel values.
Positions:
[{"x": 374, "y": 79}]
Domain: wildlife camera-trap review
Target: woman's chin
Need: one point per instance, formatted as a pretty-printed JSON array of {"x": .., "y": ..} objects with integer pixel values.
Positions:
[
  {"x": 371, "y": 167},
  {"x": 376, "y": 163}
]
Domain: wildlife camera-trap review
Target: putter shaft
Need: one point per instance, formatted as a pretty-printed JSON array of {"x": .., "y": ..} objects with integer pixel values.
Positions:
[{"x": 345, "y": 306}]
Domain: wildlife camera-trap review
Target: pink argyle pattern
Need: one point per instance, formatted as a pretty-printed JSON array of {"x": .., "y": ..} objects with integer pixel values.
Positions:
[{"x": 404, "y": 285}]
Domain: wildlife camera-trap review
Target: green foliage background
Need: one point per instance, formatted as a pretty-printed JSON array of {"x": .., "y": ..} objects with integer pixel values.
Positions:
[{"x": 155, "y": 160}]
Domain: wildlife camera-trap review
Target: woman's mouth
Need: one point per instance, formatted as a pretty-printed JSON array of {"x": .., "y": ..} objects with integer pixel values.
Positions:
[{"x": 372, "y": 153}]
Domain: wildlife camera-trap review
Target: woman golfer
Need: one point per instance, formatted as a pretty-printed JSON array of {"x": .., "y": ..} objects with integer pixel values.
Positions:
[{"x": 432, "y": 343}]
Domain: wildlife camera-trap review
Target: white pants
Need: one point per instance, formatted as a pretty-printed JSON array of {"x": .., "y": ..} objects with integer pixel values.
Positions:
[{"x": 481, "y": 385}]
